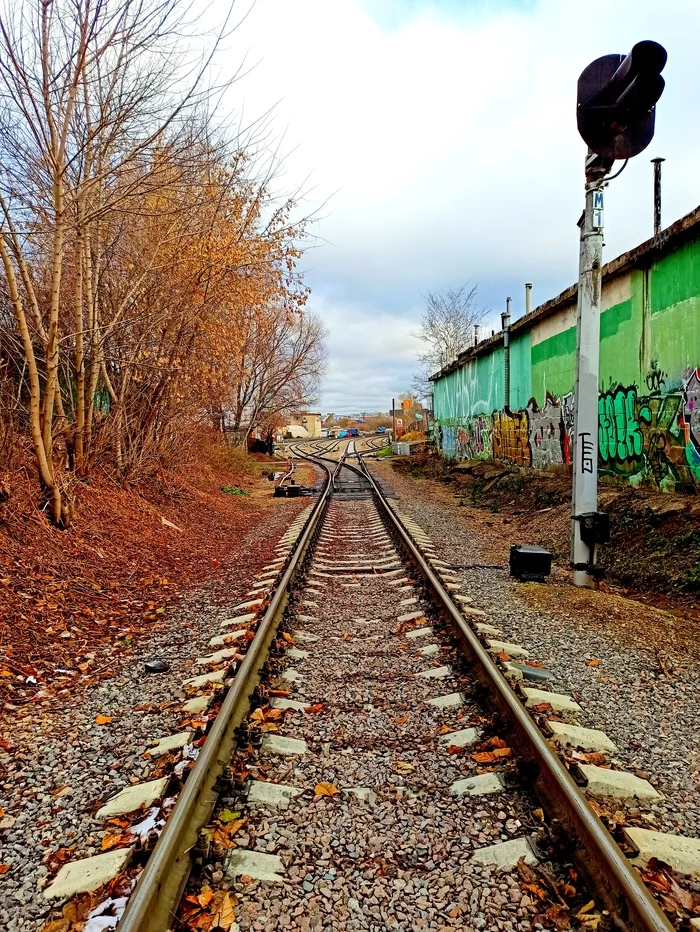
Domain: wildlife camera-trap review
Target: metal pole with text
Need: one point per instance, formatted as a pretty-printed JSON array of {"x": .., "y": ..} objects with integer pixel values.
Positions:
[{"x": 585, "y": 465}]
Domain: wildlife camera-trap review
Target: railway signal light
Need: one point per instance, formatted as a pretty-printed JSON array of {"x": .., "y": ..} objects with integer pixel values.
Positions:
[{"x": 616, "y": 101}]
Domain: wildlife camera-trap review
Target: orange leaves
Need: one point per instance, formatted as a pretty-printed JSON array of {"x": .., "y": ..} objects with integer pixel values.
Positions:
[
  {"x": 499, "y": 749},
  {"x": 401, "y": 720},
  {"x": 326, "y": 789},
  {"x": 103, "y": 719},
  {"x": 313, "y": 709},
  {"x": 4, "y": 868},
  {"x": 593, "y": 662},
  {"x": 207, "y": 911}
]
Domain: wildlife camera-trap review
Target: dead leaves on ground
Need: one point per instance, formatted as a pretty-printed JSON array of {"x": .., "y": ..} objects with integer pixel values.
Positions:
[
  {"x": 673, "y": 898},
  {"x": 208, "y": 911},
  {"x": 103, "y": 719},
  {"x": 491, "y": 750},
  {"x": 553, "y": 896},
  {"x": 326, "y": 789}
]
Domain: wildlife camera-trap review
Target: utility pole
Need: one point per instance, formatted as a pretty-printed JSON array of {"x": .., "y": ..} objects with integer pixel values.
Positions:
[
  {"x": 616, "y": 108},
  {"x": 585, "y": 466},
  {"x": 393, "y": 420}
]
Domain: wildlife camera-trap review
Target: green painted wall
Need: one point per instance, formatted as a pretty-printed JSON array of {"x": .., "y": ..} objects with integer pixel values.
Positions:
[{"x": 649, "y": 424}]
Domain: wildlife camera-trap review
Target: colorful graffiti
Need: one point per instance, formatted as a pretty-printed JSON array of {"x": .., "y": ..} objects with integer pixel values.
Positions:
[
  {"x": 545, "y": 433},
  {"x": 511, "y": 437},
  {"x": 653, "y": 437}
]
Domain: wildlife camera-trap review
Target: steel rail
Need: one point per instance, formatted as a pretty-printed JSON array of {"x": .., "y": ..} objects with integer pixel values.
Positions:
[
  {"x": 154, "y": 902},
  {"x": 619, "y": 887}
]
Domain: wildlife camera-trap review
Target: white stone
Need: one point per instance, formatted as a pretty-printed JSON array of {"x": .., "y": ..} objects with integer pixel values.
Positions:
[
  {"x": 411, "y": 616},
  {"x": 282, "y": 703},
  {"x": 419, "y": 633},
  {"x": 506, "y": 647},
  {"x": 430, "y": 650},
  {"x": 290, "y": 675},
  {"x": 436, "y": 673},
  {"x": 88, "y": 874},
  {"x": 463, "y": 738},
  {"x": 678, "y": 851},
  {"x": 586, "y": 739},
  {"x": 305, "y": 637},
  {"x": 487, "y": 629},
  {"x": 217, "y": 657},
  {"x": 472, "y": 611},
  {"x": 506, "y": 855},
  {"x": 307, "y": 618},
  {"x": 464, "y": 598},
  {"x": 308, "y": 604},
  {"x": 251, "y": 604},
  {"x": 314, "y": 591},
  {"x": 222, "y": 639},
  {"x": 450, "y": 701},
  {"x": 278, "y": 744},
  {"x": 411, "y": 601},
  {"x": 617, "y": 783},
  {"x": 363, "y": 793},
  {"x": 170, "y": 743},
  {"x": 558, "y": 701},
  {"x": 243, "y": 862},
  {"x": 133, "y": 797},
  {"x": 297, "y": 654},
  {"x": 239, "y": 620},
  {"x": 480, "y": 785},
  {"x": 197, "y": 682},
  {"x": 198, "y": 704},
  {"x": 276, "y": 795}
]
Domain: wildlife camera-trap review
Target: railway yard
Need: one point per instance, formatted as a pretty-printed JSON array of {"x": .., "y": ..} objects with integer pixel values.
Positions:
[{"x": 379, "y": 729}]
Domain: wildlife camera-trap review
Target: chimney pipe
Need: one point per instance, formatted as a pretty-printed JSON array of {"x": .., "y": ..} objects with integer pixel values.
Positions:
[
  {"x": 477, "y": 331},
  {"x": 505, "y": 326},
  {"x": 528, "y": 297},
  {"x": 657, "y": 194}
]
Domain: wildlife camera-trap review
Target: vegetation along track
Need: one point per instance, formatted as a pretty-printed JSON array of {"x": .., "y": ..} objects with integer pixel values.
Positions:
[{"x": 402, "y": 745}]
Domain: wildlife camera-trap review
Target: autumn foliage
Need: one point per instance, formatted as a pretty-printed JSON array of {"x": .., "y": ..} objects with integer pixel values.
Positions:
[{"x": 148, "y": 274}]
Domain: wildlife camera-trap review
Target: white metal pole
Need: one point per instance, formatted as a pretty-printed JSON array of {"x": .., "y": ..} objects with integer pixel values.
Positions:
[{"x": 585, "y": 465}]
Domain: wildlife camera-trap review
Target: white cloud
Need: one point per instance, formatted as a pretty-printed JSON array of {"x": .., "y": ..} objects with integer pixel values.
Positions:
[{"x": 448, "y": 141}]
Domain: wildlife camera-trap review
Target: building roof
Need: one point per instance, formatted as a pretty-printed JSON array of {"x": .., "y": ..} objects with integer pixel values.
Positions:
[{"x": 642, "y": 256}]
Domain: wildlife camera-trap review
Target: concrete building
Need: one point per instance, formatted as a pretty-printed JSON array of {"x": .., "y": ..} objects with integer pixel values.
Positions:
[
  {"x": 649, "y": 387},
  {"x": 304, "y": 424}
]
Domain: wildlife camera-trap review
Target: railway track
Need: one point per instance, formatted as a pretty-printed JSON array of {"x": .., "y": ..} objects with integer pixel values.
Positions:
[{"x": 371, "y": 694}]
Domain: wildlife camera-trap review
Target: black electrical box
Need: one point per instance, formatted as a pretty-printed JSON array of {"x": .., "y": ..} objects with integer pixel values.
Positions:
[{"x": 530, "y": 564}]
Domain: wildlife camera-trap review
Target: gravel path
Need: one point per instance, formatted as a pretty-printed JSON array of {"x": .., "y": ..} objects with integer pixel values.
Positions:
[
  {"x": 644, "y": 691},
  {"x": 402, "y": 860},
  {"x": 61, "y": 764}
]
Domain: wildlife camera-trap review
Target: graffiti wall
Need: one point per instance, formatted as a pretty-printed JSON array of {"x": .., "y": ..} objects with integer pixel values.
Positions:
[{"x": 649, "y": 435}]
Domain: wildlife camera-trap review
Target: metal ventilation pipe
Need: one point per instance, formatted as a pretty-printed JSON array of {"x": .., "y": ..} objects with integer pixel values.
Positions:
[
  {"x": 528, "y": 297},
  {"x": 657, "y": 194},
  {"x": 477, "y": 331},
  {"x": 505, "y": 327}
]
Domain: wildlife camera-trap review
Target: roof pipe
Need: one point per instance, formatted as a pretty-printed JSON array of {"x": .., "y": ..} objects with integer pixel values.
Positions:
[
  {"x": 528, "y": 297},
  {"x": 505, "y": 326}
]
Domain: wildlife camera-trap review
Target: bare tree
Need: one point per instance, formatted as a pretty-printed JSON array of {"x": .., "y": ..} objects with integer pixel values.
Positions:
[{"x": 446, "y": 329}]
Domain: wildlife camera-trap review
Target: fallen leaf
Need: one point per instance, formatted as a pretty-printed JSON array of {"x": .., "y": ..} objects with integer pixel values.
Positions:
[
  {"x": 280, "y": 693},
  {"x": 112, "y": 841},
  {"x": 223, "y": 917},
  {"x": 205, "y": 897},
  {"x": 288, "y": 638},
  {"x": 326, "y": 789},
  {"x": 537, "y": 890},
  {"x": 314, "y": 708},
  {"x": 257, "y": 715},
  {"x": 502, "y": 655},
  {"x": 542, "y": 707},
  {"x": 445, "y": 730},
  {"x": 585, "y": 909},
  {"x": 567, "y": 891},
  {"x": 502, "y": 752},
  {"x": 57, "y": 925},
  {"x": 558, "y": 916},
  {"x": 274, "y": 713},
  {"x": 592, "y": 663},
  {"x": 226, "y": 815},
  {"x": 498, "y": 743},
  {"x": 455, "y": 749},
  {"x": 401, "y": 720},
  {"x": 484, "y": 757},
  {"x": 403, "y": 767},
  {"x": 103, "y": 719},
  {"x": 4, "y": 868},
  {"x": 269, "y": 726}
]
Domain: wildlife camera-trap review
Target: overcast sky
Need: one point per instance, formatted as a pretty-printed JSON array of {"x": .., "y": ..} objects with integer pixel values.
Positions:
[{"x": 442, "y": 134}]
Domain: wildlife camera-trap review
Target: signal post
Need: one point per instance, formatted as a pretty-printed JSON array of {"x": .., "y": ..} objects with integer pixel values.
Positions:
[{"x": 615, "y": 113}]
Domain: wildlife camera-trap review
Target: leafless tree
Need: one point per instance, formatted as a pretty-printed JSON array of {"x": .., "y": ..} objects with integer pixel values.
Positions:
[{"x": 446, "y": 329}]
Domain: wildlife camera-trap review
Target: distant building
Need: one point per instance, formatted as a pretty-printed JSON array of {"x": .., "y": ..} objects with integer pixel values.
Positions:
[{"x": 304, "y": 424}]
